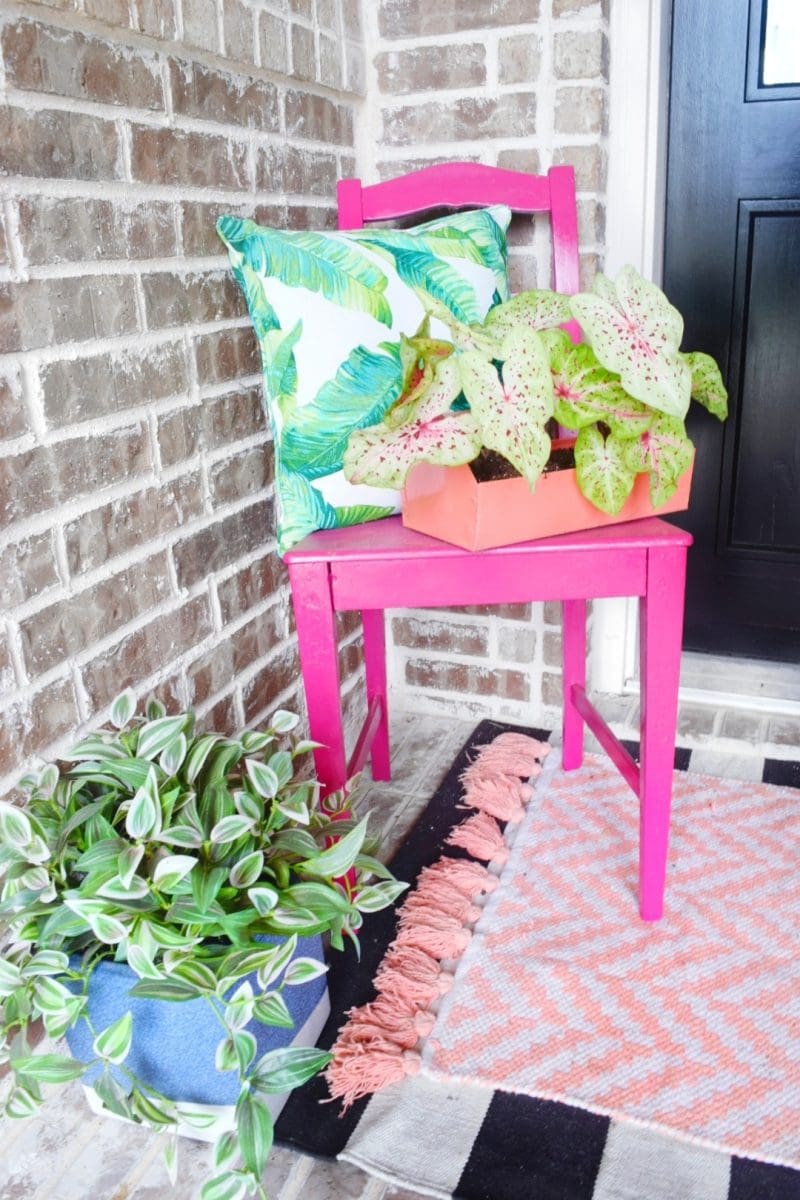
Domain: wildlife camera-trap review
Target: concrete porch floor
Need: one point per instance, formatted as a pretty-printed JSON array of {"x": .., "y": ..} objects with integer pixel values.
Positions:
[{"x": 66, "y": 1153}]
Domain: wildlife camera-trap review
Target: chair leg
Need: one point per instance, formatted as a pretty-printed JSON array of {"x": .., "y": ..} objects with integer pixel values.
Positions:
[
  {"x": 375, "y": 668},
  {"x": 317, "y": 646},
  {"x": 573, "y": 641},
  {"x": 661, "y": 633}
]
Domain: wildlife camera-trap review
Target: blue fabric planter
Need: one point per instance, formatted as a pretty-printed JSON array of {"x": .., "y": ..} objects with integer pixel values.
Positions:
[{"x": 174, "y": 1042}]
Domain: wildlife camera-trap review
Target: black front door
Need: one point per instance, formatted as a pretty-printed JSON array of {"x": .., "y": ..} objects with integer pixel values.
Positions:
[{"x": 732, "y": 267}]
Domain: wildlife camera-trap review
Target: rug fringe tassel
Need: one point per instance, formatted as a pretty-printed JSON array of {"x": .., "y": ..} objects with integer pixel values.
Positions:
[
  {"x": 377, "y": 1045},
  {"x": 482, "y": 837}
]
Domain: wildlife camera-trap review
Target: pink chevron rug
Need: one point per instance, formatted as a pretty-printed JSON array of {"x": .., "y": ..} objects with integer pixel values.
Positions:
[{"x": 690, "y": 1025}]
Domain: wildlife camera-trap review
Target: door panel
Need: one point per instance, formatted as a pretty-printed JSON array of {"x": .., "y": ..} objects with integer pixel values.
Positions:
[{"x": 732, "y": 266}]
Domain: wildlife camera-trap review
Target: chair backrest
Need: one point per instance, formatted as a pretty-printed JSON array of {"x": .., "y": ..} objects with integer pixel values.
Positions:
[{"x": 472, "y": 185}]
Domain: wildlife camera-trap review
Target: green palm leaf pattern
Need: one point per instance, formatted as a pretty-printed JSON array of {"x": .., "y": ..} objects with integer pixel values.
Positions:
[
  {"x": 320, "y": 262},
  {"x": 262, "y": 313},
  {"x": 315, "y": 437},
  {"x": 280, "y": 369},
  {"x": 357, "y": 514},
  {"x": 304, "y": 509},
  {"x": 445, "y": 242},
  {"x": 437, "y": 278},
  {"x": 487, "y": 228}
]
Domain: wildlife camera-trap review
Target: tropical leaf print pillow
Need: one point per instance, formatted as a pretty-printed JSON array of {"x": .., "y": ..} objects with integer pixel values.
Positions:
[{"x": 329, "y": 310}]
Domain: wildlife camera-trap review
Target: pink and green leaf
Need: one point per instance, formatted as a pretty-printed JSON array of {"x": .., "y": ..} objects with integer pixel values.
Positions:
[
  {"x": 604, "y": 476},
  {"x": 383, "y": 457},
  {"x": 529, "y": 310},
  {"x": 665, "y": 452},
  {"x": 636, "y": 334},
  {"x": 586, "y": 392},
  {"x": 511, "y": 412},
  {"x": 707, "y": 386}
]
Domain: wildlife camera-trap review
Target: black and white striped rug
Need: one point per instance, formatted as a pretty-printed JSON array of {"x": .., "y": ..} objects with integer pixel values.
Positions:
[{"x": 475, "y": 1144}]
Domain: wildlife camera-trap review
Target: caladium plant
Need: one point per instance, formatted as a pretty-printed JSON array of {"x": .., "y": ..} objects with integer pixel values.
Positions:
[{"x": 508, "y": 384}]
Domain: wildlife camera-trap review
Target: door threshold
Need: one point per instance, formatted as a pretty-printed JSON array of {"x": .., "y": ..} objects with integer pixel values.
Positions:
[{"x": 754, "y": 685}]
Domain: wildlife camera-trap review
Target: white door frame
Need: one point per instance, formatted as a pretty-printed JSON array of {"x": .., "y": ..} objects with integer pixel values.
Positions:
[{"x": 639, "y": 37}]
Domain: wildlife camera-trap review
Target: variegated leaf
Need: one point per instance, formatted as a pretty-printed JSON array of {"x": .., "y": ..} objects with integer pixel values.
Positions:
[
  {"x": 603, "y": 475},
  {"x": 707, "y": 386},
  {"x": 665, "y": 452},
  {"x": 636, "y": 333},
  {"x": 511, "y": 413},
  {"x": 383, "y": 457}
]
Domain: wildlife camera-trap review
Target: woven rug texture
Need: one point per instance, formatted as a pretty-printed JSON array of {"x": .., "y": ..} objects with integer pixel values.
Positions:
[{"x": 689, "y": 1025}]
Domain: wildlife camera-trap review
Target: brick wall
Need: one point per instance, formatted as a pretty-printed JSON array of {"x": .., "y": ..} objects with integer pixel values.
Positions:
[
  {"x": 511, "y": 83},
  {"x": 135, "y": 471}
]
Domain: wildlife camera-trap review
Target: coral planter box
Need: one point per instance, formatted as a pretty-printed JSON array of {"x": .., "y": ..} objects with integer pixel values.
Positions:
[{"x": 449, "y": 503}]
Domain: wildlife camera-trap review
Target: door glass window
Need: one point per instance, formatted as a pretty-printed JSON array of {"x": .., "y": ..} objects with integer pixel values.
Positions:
[{"x": 780, "y": 49}]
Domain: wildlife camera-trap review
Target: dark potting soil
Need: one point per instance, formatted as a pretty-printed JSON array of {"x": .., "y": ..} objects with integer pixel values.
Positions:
[{"x": 489, "y": 465}]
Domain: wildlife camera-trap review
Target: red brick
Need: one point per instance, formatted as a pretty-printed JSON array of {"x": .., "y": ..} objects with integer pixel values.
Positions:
[
  {"x": 42, "y": 478},
  {"x": 239, "y": 31},
  {"x": 226, "y": 355},
  {"x": 4, "y": 253},
  {"x": 221, "y": 544},
  {"x": 426, "y": 68},
  {"x": 421, "y": 18},
  {"x": 519, "y": 160},
  {"x": 303, "y": 61},
  {"x": 519, "y": 58},
  {"x": 303, "y": 216},
  {"x": 256, "y": 639},
  {"x": 330, "y": 61},
  {"x": 7, "y": 675},
  {"x": 153, "y": 17},
  {"x": 200, "y": 24},
  {"x": 83, "y": 388},
  {"x": 259, "y": 696},
  {"x": 432, "y": 634},
  {"x": 581, "y": 110},
  {"x": 67, "y": 63},
  {"x": 210, "y": 673},
  {"x": 207, "y": 95},
  {"x": 318, "y": 118},
  {"x": 198, "y": 223},
  {"x": 13, "y": 415},
  {"x": 72, "y": 625},
  {"x": 351, "y": 14},
  {"x": 27, "y": 568},
  {"x": 465, "y": 119},
  {"x": 58, "y": 145},
  {"x": 552, "y": 690},
  {"x": 509, "y": 612},
  {"x": 250, "y": 586},
  {"x": 220, "y": 718},
  {"x": 176, "y": 156},
  {"x": 590, "y": 165},
  {"x": 244, "y": 474},
  {"x": 481, "y": 681},
  {"x": 286, "y": 168},
  {"x": 171, "y": 299},
  {"x": 56, "y": 230},
  {"x": 122, "y": 525},
  {"x": 272, "y": 31},
  {"x": 29, "y": 726},
  {"x": 44, "y": 312},
  {"x": 149, "y": 649},
  {"x": 212, "y": 423}
]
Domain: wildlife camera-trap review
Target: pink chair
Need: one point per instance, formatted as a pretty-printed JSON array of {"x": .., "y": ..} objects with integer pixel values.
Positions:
[{"x": 383, "y": 565}]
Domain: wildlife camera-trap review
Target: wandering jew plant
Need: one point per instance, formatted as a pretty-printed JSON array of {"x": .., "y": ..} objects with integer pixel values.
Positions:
[
  {"x": 173, "y": 852},
  {"x": 507, "y": 384}
]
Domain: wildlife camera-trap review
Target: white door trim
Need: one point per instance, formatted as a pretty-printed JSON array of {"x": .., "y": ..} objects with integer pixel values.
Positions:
[{"x": 635, "y": 201}]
